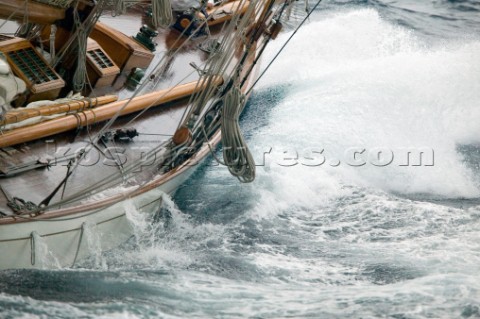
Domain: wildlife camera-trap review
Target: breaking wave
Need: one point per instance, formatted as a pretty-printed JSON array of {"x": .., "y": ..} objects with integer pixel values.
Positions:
[
  {"x": 356, "y": 81},
  {"x": 331, "y": 240}
]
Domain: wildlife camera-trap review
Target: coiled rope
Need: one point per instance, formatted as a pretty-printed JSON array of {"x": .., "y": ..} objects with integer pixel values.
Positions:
[
  {"x": 81, "y": 71},
  {"x": 236, "y": 154},
  {"x": 161, "y": 13}
]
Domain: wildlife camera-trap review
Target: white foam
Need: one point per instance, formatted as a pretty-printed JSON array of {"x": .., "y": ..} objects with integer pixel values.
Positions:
[
  {"x": 358, "y": 81},
  {"x": 171, "y": 243}
]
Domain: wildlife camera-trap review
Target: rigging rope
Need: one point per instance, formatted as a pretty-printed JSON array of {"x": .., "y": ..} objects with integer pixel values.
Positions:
[
  {"x": 283, "y": 46},
  {"x": 33, "y": 247},
  {"x": 130, "y": 167},
  {"x": 162, "y": 14},
  {"x": 119, "y": 8},
  {"x": 82, "y": 230},
  {"x": 81, "y": 71},
  {"x": 236, "y": 154},
  {"x": 53, "y": 31},
  {"x": 215, "y": 65}
]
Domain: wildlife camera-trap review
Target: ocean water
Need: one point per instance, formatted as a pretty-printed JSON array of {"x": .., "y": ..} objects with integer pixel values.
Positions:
[{"x": 340, "y": 222}]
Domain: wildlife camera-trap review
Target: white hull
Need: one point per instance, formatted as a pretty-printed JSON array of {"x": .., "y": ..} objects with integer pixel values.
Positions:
[
  {"x": 63, "y": 227},
  {"x": 62, "y": 241}
]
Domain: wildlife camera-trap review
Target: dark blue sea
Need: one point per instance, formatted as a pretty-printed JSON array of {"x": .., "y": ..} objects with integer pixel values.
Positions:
[{"x": 366, "y": 133}]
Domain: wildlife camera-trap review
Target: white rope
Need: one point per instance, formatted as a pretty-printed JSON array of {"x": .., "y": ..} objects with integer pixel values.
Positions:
[
  {"x": 236, "y": 154},
  {"x": 82, "y": 30},
  {"x": 119, "y": 8},
  {"x": 81, "y": 71},
  {"x": 161, "y": 13},
  {"x": 161, "y": 10},
  {"x": 220, "y": 63},
  {"x": 53, "y": 31},
  {"x": 223, "y": 66}
]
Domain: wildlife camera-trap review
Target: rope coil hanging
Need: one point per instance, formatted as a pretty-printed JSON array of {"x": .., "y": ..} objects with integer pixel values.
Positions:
[
  {"x": 161, "y": 13},
  {"x": 236, "y": 154},
  {"x": 119, "y": 8}
]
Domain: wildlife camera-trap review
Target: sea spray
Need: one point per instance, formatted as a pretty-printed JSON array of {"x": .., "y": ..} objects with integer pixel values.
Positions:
[
  {"x": 93, "y": 245},
  {"x": 42, "y": 257},
  {"x": 321, "y": 242},
  {"x": 164, "y": 238},
  {"x": 364, "y": 85}
]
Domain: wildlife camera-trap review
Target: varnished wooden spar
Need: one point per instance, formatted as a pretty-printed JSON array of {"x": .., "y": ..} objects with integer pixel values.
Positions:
[
  {"x": 16, "y": 116},
  {"x": 226, "y": 11},
  {"x": 102, "y": 113},
  {"x": 37, "y": 12}
]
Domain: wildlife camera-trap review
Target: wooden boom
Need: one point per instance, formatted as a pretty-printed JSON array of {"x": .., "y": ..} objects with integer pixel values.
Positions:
[
  {"x": 102, "y": 113},
  {"x": 226, "y": 12},
  {"x": 34, "y": 11},
  {"x": 16, "y": 116}
]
